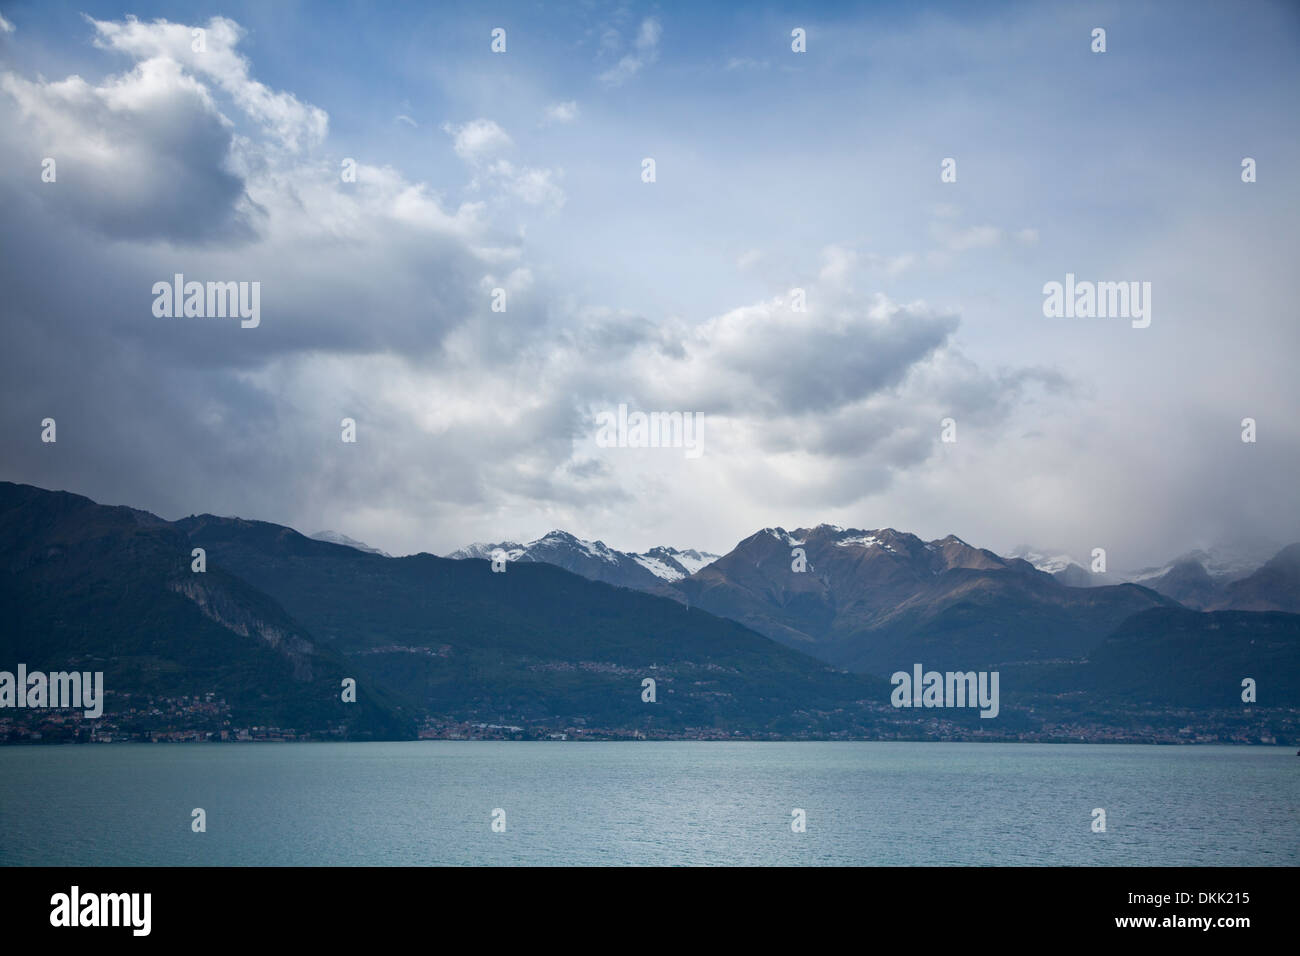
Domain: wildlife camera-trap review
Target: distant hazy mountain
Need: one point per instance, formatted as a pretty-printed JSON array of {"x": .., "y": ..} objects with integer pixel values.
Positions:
[
  {"x": 1237, "y": 578},
  {"x": 335, "y": 537},
  {"x": 1065, "y": 568},
  {"x": 599, "y": 562},
  {"x": 1224, "y": 562},
  {"x": 1196, "y": 579},
  {"x": 1274, "y": 587},
  {"x": 1188, "y": 583},
  {"x": 1046, "y": 561},
  {"x": 880, "y": 600}
]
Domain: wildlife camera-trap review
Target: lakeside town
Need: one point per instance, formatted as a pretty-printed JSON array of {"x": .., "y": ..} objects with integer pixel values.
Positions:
[{"x": 208, "y": 719}]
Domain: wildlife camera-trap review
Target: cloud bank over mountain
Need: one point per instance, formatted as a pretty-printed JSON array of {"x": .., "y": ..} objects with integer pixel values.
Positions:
[{"x": 823, "y": 372}]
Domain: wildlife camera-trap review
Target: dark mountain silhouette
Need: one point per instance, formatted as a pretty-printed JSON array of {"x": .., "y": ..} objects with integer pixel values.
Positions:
[
  {"x": 1174, "y": 657},
  {"x": 110, "y": 589}
]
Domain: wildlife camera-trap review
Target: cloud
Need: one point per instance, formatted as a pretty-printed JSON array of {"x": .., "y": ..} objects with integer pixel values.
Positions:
[
  {"x": 478, "y": 139},
  {"x": 971, "y": 237},
  {"x": 839, "y": 262},
  {"x": 535, "y": 187},
  {"x": 376, "y": 306},
  {"x": 766, "y": 359},
  {"x": 647, "y": 38},
  {"x": 148, "y": 159},
  {"x": 565, "y": 112},
  {"x": 5, "y": 25},
  {"x": 403, "y": 118},
  {"x": 210, "y": 54},
  {"x": 891, "y": 265},
  {"x": 144, "y": 155},
  {"x": 646, "y": 49}
]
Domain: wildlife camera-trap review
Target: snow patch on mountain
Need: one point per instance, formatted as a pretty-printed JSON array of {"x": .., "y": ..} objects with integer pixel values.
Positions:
[
  {"x": 335, "y": 537},
  {"x": 862, "y": 540},
  {"x": 657, "y": 567},
  {"x": 673, "y": 565},
  {"x": 782, "y": 535},
  {"x": 561, "y": 548},
  {"x": 692, "y": 560},
  {"x": 485, "y": 550},
  {"x": 1044, "y": 561}
]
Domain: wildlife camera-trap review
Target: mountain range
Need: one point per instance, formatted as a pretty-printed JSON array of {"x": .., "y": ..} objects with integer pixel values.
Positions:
[
  {"x": 876, "y": 601},
  {"x": 872, "y": 600},
  {"x": 277, "y": 620},
  {"x": 790, "y": 634}
]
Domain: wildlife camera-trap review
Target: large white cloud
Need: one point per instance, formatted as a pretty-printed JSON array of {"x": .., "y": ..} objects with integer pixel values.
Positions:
[
  {"x": 208, "y": 51},
  {"x": 473, "y": 424}
]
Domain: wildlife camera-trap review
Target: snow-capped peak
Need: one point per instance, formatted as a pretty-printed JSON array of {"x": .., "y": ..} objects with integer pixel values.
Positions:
[
  {"x": 562, "y": 539},
  {"x": 690, "y": 559},
  {"x": 576, "y": 554},
  {"x": 670, "y": 564},
  {"x": 485, "y": 550}
]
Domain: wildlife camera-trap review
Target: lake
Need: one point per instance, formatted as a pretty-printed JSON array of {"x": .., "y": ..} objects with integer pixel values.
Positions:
[{"x": 648, "y": 803}]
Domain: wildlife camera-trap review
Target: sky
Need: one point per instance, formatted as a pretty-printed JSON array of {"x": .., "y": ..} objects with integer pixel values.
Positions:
[{"x": 226, "y": 160}]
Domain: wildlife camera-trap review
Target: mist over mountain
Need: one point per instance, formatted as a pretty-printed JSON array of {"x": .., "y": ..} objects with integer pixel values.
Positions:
[
  {"x": 1274, "y": 587},
  {"x": 1197, "y": 578}
]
